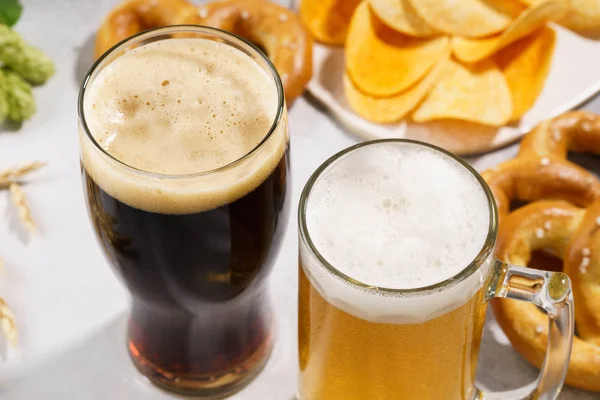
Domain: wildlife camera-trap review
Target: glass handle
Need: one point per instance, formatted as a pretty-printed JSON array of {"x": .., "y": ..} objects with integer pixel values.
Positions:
[{"x": 552, "y": 292}]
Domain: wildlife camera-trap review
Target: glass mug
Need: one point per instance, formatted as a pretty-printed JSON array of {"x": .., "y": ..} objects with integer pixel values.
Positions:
[
  {"x": 425, "y": 343},
  {"x": 194, "y": 249}
]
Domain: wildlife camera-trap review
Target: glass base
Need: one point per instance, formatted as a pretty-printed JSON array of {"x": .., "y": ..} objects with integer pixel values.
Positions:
[{"x": 215, "y": 386}]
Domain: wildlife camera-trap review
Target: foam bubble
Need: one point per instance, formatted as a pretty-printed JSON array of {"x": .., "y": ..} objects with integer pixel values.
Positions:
[
  {"x": 181, "y": 106},
  {"x": 399, "y": 216}
]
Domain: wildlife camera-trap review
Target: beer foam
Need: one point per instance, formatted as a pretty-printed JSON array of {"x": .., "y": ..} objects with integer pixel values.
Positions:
[
  {"x": 397, "y": 215},
  {"x": 176, "y": 107}
]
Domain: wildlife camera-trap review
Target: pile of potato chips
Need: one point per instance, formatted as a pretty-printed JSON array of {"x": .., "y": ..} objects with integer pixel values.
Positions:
[{"x": 483, "y": 61}]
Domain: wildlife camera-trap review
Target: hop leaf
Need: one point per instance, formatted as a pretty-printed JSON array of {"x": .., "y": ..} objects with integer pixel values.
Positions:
[{"x": 10, "y": 11}]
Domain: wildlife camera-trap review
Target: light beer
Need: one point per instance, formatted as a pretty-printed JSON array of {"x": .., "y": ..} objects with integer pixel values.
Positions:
[
  {"x": 386, "y": 309},
  {"x": 185, "y": 161}
]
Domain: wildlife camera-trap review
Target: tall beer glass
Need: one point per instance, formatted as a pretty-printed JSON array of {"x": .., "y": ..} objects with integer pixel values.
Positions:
[
  {"x": 184, "y": 155},
  {"x": 396, "y": 267}
]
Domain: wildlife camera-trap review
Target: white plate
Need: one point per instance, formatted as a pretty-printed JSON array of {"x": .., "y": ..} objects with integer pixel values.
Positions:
[{"x": 574, "y": 78}]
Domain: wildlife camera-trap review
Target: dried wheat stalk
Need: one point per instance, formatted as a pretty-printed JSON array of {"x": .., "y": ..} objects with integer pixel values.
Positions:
[
  {"x": 9, "y": 179},
  {"x": 7, "y": 321},
  {"x": 20, "y": 201},
  {"x": 12, "y": 174}
]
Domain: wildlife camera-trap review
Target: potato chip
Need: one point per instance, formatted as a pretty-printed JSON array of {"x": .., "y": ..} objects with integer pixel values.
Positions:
[
  {"x": 383, "y": 62},
  {"x": 530, "y": 20},
  {"x": 469, "y": 18},
  {"x": 477, "y": 93},
  {"x": 401, "y": 16},
  {"x": 525, "y": 65},
  {"x": 391, "y": 109},
  {"x": 328, "y": 20},
  {"x": 583, "y": 17}
]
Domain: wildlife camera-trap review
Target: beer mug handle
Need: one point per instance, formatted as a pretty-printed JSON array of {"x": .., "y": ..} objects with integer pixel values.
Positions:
[{"x": 552, "y": 292}]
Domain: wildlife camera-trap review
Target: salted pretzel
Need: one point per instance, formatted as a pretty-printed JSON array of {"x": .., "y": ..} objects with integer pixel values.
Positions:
[
  {"x": 135, "y": 16},
  {"x": 573, "y": 234},
  {"x": 275, "y": 29},
  {"x": 541, "y": 169}
]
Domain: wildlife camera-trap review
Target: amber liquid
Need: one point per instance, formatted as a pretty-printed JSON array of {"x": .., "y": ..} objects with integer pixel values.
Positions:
[
  {"x": 345, "y": 357},
  {"x": 201, "y": 320}
]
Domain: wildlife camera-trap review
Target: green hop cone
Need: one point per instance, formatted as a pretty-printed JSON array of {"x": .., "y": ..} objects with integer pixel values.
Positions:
[
  {"x": 3, "y": 98},
  {"x": 17, "y": 95},
  {"x": 28, "y": 61}
]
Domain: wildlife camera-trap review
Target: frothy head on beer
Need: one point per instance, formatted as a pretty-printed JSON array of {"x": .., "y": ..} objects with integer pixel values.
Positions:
[
  {"x": 396, "y": 215},
  {"x": 181, "y": 106}
]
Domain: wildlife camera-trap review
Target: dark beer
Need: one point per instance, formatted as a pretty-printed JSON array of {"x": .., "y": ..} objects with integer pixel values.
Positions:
[
  {"x": 197, "y": 280},
  {"x": 185, "y": 162}
]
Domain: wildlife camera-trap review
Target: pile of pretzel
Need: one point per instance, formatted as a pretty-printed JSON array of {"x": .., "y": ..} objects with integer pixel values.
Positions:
[
  {"x": 562, "y": 217},
  {"x": 275, "y": 29}
]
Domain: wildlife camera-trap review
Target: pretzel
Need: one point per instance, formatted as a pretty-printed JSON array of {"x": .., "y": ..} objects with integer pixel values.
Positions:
[
  {"x": 571, "y": 232},
  {"x": 271, "y": 27},
  {"x": 134, "y": 16},
  {"x": 582, "y": 264},
  {"x": 541, "y": 169}
]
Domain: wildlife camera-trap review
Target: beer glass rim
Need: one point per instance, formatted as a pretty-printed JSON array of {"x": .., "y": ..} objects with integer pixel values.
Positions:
[
  {"x": 472, "y": 267},
  {"x": 240, "y": 43}
]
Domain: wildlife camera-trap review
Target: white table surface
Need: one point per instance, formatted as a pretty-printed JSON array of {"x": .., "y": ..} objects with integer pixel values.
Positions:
[{"x": 70, "y": 308}]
